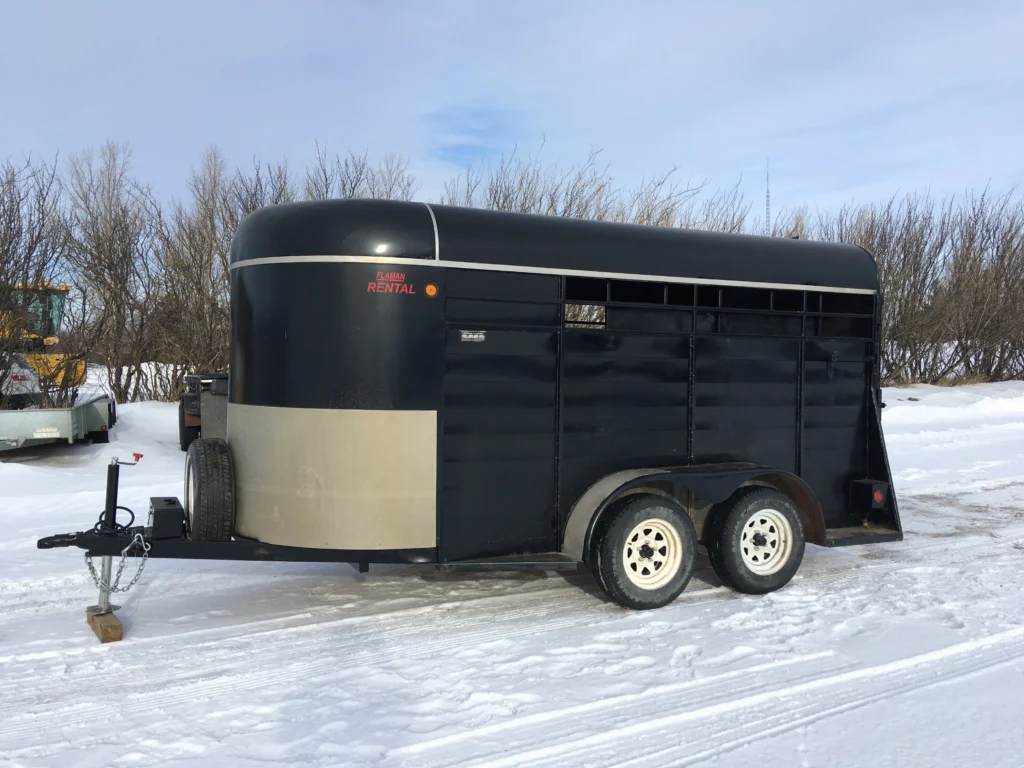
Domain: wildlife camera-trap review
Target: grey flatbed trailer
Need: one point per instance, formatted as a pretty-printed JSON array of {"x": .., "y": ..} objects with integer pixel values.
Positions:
[{"x": 92, "y": 418}]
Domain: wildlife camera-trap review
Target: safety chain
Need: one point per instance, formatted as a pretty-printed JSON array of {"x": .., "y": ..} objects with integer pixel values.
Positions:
[{"x": 120, "y": 568}]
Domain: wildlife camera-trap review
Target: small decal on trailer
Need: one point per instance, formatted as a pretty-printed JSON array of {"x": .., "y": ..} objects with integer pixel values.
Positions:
[
  {"x": 473, "y": 335},
  {"x": 46, "y": 432}
]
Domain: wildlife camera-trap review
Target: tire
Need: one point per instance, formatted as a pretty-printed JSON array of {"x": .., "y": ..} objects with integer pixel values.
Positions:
[
  {"x": 630, "y": 576},
  {"x": 186, "y": 435},
  {"x": 209, "y": 491},
  {"x": 711, "y": 533},
  {"x": 737, "y": 556},
  {"x": 100, "y": 436}
]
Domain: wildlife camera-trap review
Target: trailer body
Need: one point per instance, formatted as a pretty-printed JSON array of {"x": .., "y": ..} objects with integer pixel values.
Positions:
[
  {"x": 477, "y": 383},
  {"x": 432, "y": 384}
]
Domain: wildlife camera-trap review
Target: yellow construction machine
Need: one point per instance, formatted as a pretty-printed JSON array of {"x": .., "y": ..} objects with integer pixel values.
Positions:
[{"x": 33, "y": 315}]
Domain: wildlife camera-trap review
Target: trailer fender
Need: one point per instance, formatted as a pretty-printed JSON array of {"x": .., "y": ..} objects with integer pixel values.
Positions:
[{"x": 697, "y": 489}]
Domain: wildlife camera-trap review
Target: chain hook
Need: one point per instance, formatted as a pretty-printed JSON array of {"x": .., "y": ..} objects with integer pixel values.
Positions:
[{"x": 102, "y": 586}]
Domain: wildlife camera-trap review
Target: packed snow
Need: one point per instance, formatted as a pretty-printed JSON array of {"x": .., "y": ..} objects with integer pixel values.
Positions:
[{"x": 897, "y": 654}]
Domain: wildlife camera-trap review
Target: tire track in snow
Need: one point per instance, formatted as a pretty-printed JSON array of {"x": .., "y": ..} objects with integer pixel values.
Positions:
[
  {"x": 814, "y": 662},
  {"x": 756, "y": 716},
  {"x": 129, "y": 692}
]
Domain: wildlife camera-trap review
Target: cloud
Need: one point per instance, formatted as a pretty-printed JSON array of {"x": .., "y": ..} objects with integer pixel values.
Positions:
[
  {"x": 463, "y": 136},
  {"x": 847, "y": 100}
]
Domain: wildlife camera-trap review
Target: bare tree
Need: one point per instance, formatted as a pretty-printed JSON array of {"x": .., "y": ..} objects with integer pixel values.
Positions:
[
  {"x": 192, "y": 315},
  {"x": 113, "y": 230}
]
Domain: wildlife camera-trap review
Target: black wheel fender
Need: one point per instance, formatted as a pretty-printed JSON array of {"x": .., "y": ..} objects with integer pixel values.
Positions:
[{"x": 710, "y": 484}]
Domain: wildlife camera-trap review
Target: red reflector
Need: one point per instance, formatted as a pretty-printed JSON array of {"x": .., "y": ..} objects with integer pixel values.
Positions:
[{"x": 877, "y": 497}]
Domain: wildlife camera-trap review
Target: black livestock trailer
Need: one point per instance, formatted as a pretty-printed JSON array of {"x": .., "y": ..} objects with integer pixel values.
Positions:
[{"x": 415, "y": 383}]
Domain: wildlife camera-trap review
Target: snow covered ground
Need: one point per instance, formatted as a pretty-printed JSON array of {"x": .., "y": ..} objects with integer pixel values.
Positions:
[{"x": 908, "y": 654}]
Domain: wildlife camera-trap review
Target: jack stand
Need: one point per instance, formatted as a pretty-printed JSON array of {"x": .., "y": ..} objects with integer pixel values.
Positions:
[{"x": 101, "y": 616}]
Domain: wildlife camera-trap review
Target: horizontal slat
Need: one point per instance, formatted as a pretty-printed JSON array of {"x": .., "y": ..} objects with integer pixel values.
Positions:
[
  {"x": 738, "y": 348},
  {"x": 615, "y": 395},
  {"x": 745, "y": 417},
  {"x": 744, "y": 393},
  {"x": 501, "y": 313},
  {"x": 496, "y": 474},
  {"x": 597, "y": 419},
  {"x": 482, "y": 368},
  {"x": 664, "y": 320},
  {"x": 622, "y": 345},
  {"x": 500, "y": 420},
  {"x": 710, "y": 371},
  {"x": 486, "y": 284},
  {"x": 498, "y": 395},
  {"x": 632, "y": 369}
]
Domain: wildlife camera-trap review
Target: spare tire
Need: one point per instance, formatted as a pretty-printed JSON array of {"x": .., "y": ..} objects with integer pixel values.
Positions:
[{"x": 209, "y": 491}]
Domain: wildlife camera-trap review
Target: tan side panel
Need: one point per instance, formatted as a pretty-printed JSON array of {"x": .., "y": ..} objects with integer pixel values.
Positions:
[{"x": 335, "y": 479}]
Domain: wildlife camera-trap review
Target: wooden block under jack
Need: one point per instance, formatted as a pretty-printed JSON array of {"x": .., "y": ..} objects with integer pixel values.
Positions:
[{"x": 106, "y": 625}]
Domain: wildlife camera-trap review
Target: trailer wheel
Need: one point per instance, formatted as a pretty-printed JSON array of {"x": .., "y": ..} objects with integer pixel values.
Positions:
[
  {"x": 756, "y": 540},
  {"x": 644, "y": 552},
  {"x": 185, "y": 434},
  {"x": 100, "y": 436},
  {"x": 209, "y": 491}
]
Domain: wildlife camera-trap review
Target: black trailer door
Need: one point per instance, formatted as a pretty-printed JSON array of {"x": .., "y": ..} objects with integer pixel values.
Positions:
[
  {"x": 497, "y": 485},
  {"x": 834, "y": 444}
]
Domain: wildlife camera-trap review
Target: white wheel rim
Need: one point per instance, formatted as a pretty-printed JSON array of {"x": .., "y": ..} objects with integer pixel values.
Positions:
[
  {"x": 652, "y": 554},
  {"x": 766, "y": 542}
]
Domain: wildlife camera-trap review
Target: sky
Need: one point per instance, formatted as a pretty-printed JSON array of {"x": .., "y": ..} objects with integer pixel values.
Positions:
[{"x": 847, "y": 101}]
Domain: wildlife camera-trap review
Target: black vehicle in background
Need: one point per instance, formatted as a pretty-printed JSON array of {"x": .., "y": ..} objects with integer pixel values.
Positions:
[
  {"x": 205, "y": 395},
  {"x": 431, "y": 384}
]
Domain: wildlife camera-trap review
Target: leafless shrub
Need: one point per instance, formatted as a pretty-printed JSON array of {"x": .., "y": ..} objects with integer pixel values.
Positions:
[
  {"x": 353, "y": 176},
  {"x": 527, "y": 184},
  {"x": 952, "y": 275}
]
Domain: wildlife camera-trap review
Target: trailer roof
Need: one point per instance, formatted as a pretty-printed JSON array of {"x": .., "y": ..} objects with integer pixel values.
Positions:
[{"x": 389, "y": 231}]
